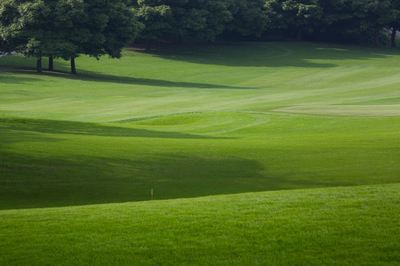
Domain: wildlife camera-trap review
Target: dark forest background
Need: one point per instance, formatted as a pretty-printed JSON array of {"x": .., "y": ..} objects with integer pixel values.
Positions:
[{"x": 68, "y": 28}]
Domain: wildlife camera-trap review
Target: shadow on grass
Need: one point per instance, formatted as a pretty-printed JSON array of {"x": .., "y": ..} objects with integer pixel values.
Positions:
[
  {"x": 257, "y": 54},
  {"x": 35, "y": 181},
  {"x": 38, "y": 180},
  {"x": 269, "y": 54},
  {"x": 26, "y": 67},
  {"x": 90, "y": 129},
  {"x": 97, "y": 77}
]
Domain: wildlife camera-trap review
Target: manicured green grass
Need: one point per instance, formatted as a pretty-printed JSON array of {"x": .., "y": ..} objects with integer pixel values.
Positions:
[
  {"x": 198, "y": 121},
  {"x": 201, "y": 121},
  {"x": 336, "y": 226}
]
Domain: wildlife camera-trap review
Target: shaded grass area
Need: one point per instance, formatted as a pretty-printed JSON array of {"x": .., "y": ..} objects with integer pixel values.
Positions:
[
  {"x": 340, "y": 226},
  {"x": 104, "y": 78},
  {"x": 277, "y": 55},
  {"x": 90, "y": 129},
  {"x": 60, "y": 163},
  {"x": 89, "y": 180}
]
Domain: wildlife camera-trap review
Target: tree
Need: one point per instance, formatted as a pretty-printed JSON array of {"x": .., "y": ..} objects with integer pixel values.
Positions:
[
  {"x": 156, "y": 20},
  {"x": 28, "y": 27},
  {"x": 293, "y": 16},
  {"x": 394, "y": 21},
  {"x": 5, "y": 17},
  {"x": 67, "y": 28},
  {"x": 249, "y": 19},
  {"x": 92, "y": 27},
  {"x": 359, "y": 21},
  {"x": 122, "y": 28},
  {"x": 33, "y": 28},
  {"x": 375, "y": 19},
  {"x": 37, "y": 30},
  {"x": 104, "y": 28},
  {"x": 11, "y": 28},
  {"x": 183, "y": 20},
  {"x": 8, "y": 34}
]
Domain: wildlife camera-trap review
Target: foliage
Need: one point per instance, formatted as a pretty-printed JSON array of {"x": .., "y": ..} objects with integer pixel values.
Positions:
[
  {"x": 67, "y": 28},
  {"x": 206, "y": 20},
  {"x": 183, "y": 20},
  {"x": 249, "y": 19},
  {"x": 157, "y": 20},
  {"x": 353, "y": 20},
  {"x": 293, "y": 16},
  {"x": 361, "y": 21}
]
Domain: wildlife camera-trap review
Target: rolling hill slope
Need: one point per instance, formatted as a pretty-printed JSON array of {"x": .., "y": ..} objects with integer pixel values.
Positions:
[
  {"x": 278, "y": 153},
  {"x": 334, "y": 226},
  {"x": 198, "y": 121}
]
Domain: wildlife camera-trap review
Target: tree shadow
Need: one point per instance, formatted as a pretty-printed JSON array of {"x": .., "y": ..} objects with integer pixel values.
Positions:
[
  {"x": 90, "y": 129},
  {"x": 269, "y": 54},
  {"x": 32, "y": 181},
  {"x": 29, "y": 181},
  {"x": 100, "y": 77},
  {"x": 26, "y": 67}
]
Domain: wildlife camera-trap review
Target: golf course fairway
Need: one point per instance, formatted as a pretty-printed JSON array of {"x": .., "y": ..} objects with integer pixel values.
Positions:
[{"x": 235, "y": 154}]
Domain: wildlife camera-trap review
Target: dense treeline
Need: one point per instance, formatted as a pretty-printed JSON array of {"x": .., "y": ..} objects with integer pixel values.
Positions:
[
  {"x": 200, "y": 20},
  {"x": 361, "y": 21},
  {"x": 67, "y": 28}
]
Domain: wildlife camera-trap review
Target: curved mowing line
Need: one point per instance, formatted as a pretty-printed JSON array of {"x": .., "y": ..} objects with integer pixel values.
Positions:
[
  {"x": 344, "y": 110},
  {"x": 257, "y": 121},
  {"x": 144, "y": 118}
]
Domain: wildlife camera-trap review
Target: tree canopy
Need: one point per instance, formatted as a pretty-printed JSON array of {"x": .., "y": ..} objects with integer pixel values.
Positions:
[
  {"x": 361, "y": 21},
  {"x": 68, "y": 28}
]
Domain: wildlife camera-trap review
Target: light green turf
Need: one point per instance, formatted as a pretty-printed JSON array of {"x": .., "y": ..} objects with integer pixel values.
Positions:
[
  {"x": 198, "y": 121},
  {"x": 346, "y": 110},
  {"x": 334, "y": 226}
]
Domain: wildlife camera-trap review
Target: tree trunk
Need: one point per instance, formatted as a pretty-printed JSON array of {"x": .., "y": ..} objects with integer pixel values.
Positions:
[
  {"x": 299, "y": 35},
  {"x": 393, "y": 38},
  {"x": 39, "y": 64},
  {"x": 51, "y": 63},
  {"x": 73, "y": 65}
]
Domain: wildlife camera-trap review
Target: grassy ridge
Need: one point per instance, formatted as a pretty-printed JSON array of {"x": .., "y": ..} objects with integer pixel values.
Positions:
[
  {"x": 200, "y": 121},
  {"x": 336, "y": 226}
]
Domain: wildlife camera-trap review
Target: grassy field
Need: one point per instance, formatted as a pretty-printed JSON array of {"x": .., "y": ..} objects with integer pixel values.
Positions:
[
  {"x": 335, "y": 226},
  {"x": 193, "y": 122}
]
